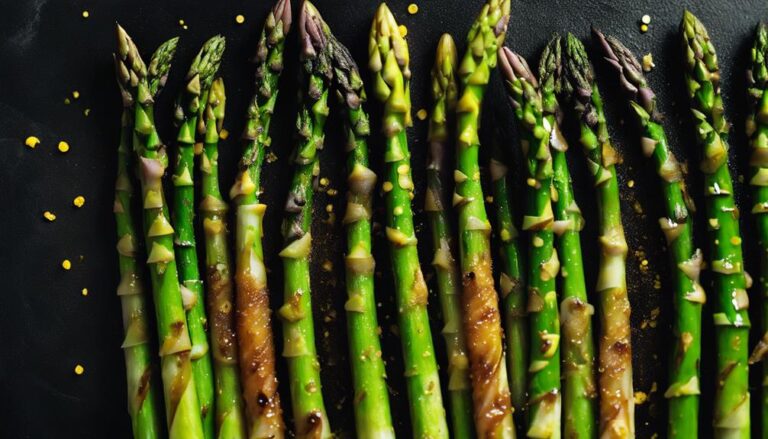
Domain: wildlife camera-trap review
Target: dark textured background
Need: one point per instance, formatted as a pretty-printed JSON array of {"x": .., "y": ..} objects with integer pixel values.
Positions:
[{"x": 48, "y": 50}]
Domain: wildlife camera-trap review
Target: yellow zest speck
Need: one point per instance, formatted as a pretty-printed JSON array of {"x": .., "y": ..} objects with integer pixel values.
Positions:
[
  {"x": 240, "y": 19},
  {"x": 32, "y": 142},
  {"x": 79, "y": 201},
  {"x": 631, "y": 183},
  {"x": 644, "y": 262},
  {"x": 181, "y": 22},
  {"x": 422, "y": 114},
  {"x": 643, "y": 28},
  {"x": 324, "y": 181},
  {"x": 648, "y": 64},
  {"x": 186, "y": 27},
  {"x": 87, "y": 112},
  {"x": 66, "y": 264},
  {"x": 76, "y": 94},
  {"x": 413, "y": 8},
  {"x": 735, "y": 240},
  {"x": 86, "y": 14},
  {"x": 84, "y": 291},
  {"x": 332, "y": 192},
  {"x": 640, "y": 398},
  {"x": 50, "y": 216},
  {"x": 387, "y": 186},
  {"x": 646, "y": 19},
  {"x": 223, "y": 134},
  {"x": 79, "y": 369},
  {"x": 329, "y": 208},
  {"x": 63, "y": 146},
  {"x": 66, "y": 101},
  {"x": 403, "y": 30}
]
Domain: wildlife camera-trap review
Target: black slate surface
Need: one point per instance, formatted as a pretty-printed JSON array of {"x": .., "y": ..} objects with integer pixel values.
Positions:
[{"x": 48, "y": 50}]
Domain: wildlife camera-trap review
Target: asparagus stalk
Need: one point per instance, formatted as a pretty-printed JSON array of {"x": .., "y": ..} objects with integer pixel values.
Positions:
[
  {"x": 143, "y": 403},
  {"x": 183, "y": 415},
  {"x": 677, "y": 225},
  {"x": 544, "y": 381},
  {"x": 757, "y": 130},
  {"x": 578, "y": 351},
  {"x": 389, "y": 63},
  {"x": 220, "y": 295},
  {"x": 617, "y": 406},
  {"x": 254, "y": 327},
  {"x": 372, "y": 413},
  {"x": 188, "y": 107},
  {"x": 298, "y": 329},
  {"x": 488, "y": 369},
  {"x": 702, "y": 79},
  {"x": 444, "y": 94}
]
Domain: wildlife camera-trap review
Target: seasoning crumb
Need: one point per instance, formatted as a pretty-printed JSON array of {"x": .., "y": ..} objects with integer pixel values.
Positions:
[
  {"x": 413, "y": 8},
  {"x": 327, "y": 265},
  {"x": 32, "y": 142},
  {"x": 324, "y": 182},
  {"x": 422, "y": 114},
  {"x": 643, "y": 28},
  {"x": 66, "y": 264},
  {"x": 76, "y": 94},
  {"x": 332, "y": 192},
  {"x": 631, "y": 183},
  {"x": 489, "y": 199},
  {"x": 271, "y": 157},
  {"x": 67, "y": 101},
  {"x": 79, "y": 369},
  {"x": 181, "y": 22},
  {"x": 240, "y": 19},
  {"x": 646, "y": 19},
  {"x": 63, "y": 146},
  {"x": 186, "y": 27},
  {"x": 79, "y": 201},
  {"x": 86, "y": 14},
  {"x": 50, "y": 216},
  {"x": 648, "y": 63},
  {"x": 640, "y": 398},
  {"x": 329, "y": 208},
  {"x": 84, "y": 291},
  {"x": 403, "y": 30},
  {"x": 87, "y": 112},
  {"x": 224, "y": 134}
]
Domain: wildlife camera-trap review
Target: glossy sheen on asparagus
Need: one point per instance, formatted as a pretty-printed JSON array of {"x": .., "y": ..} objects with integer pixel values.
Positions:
[
  {"x": 702, "y": 78},
  {"x": 444, "y": 94},
  {"x": 182, "y": 407},
  {"x": 143, "y": 403},
  {"x": 677, "y": 225},
  {"x": 490, "y": 388},
  {"x": 188, "y": 108},
  {"x": 511, "y": 281},
  {"x": 544, "y": 380},
  {"x": 757, "y": 130},
  {"x": 617, "y": 406},
  {"x": 372, "y": 414},
  {"x": 389, "y": 63},
  {"x": 230, "y": 422},
  {"x": 577, "y": 343},
  {"x": 310, "y": 418},
  {"x": 254, "y": 327}
]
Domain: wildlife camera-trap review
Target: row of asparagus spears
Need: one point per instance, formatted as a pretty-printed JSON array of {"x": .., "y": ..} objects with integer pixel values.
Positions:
[{"x": 506, "y": 373}]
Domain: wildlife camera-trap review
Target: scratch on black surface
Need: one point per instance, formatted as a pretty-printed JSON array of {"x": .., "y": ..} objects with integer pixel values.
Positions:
[{"x": 21, "y": 39}]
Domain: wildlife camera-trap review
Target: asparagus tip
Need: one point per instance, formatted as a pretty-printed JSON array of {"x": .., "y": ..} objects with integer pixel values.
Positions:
[
  {"x": 514, "y": 67},
  {"x": 446, "y": 51},
  {"x": 282, "y": 14},
  {"x": 313, "y": 30},
  {"x": 160, "y": 65}
]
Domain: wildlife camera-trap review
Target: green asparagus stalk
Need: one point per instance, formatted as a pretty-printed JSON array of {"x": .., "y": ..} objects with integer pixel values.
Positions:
[
  {"x": 188, "y": 107},
  {"x": 702, "y": 79},
  {"x": 183, "y": 415},
  {"x": 488, "y": 369},
  {"x": 254, "y": 327},
  {"x": 220, "y": 296},
  {"x": 617, "y": 405},
  {"x": 372, "y": 413},
  {"x": 299, "y": 349},
  {"x": 143, "y": 402},
  {"x": 757, "y": 130},
  {"x": 444, "y": 94},
  {"x": 389, "y": 63},
  {"x": 578, "y": 351},
  {"x": 677, "y": 225},
  {"x": 544, "y": 380}
]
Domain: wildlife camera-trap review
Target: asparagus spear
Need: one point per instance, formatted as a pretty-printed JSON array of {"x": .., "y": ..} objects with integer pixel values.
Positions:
[
  {"x": 188, "y": 106},
  {"x": 544, "y": 381},
  {"x": 143, "y": 403},
  {"x": 702, "y": 79},
  {"x": 617, "y": 406},
  {"x": 182, "y": 407},
  {"x": 578, "y": 351},
  {"x": 298, "y": 332},
  {"x": 444, "y": 94},
  {"x": 220, "y": 295},
  {"x": 490, "y": 389},
  {"x": 683, "y": 392},
  {"x": 372, "y": 413},
  {"x": 254, "y": 328},
  {"x": 757, "y": 130},
  {"x": 389, "y": 63}
]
